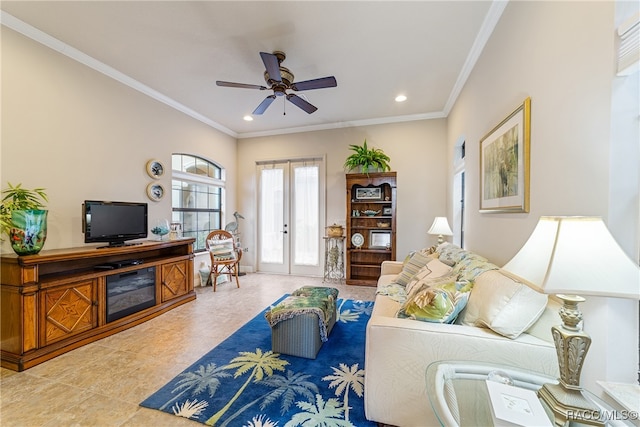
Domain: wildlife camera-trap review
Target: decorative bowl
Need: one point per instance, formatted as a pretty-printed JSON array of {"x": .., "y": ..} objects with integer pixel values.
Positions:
[
  {"x": 370, "y": 212},
  {"x": 384, "y": 225}
]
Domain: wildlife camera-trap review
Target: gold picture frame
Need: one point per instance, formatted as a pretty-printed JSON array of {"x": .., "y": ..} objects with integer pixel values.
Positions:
[{"x": 504, "y": 163}]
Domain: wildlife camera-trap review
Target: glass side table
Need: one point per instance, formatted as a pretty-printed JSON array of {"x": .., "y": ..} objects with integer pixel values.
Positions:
[
  {"x": 458, "y": 393},
  {"x": 333, "y": 259}
]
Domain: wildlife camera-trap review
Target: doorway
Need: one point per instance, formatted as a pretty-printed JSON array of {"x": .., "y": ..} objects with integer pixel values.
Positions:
[
  {"x": 290, "y": 220},
  {"x": 459, "y": 193}
]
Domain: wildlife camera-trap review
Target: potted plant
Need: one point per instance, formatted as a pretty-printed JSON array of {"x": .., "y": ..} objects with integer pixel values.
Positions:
[
  {"x": 367, "y": 159},
  {"x": 24, "y": 219}
]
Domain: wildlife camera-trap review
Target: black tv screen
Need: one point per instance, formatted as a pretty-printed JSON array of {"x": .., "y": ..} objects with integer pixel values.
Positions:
[{"x": 113, "y": 222}]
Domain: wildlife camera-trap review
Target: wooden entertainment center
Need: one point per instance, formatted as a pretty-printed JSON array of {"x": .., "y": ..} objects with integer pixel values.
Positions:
[{"x": 56, "y": 301}]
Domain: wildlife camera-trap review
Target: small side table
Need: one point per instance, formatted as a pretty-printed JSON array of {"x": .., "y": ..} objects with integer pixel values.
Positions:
[{"x": 334, "y": 259}]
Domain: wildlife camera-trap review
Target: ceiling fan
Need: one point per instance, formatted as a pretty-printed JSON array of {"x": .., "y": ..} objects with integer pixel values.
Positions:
[{"x": 280, "y": 80}]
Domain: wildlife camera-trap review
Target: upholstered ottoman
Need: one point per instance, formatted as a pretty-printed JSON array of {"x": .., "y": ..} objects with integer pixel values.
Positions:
[{"x": 301, "y": 323}]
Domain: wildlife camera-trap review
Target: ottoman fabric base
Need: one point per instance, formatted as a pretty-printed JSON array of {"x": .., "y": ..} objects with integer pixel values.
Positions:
[{"x": 299, "y": 336}]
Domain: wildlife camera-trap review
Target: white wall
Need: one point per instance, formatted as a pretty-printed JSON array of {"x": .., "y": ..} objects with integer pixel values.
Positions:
[
  {"x": 82, "y": 135},
  {"x": 561, "y": 54},
  {"x": 416, "y": 149}
]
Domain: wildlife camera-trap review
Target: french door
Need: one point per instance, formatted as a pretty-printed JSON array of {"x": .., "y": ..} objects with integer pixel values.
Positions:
[{"x": 291, "y": 216}]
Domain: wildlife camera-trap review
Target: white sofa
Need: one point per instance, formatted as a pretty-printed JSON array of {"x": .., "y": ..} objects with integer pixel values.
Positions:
[{"x": 399, "y": 350}]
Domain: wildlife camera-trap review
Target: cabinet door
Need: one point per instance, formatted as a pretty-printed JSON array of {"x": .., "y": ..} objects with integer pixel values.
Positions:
[
  {"x": 68, "y": 310},
  {"x": 174, "y": 280}
]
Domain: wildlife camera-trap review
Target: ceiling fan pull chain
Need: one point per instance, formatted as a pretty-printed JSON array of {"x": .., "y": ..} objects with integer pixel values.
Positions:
[{"x": 284, "y": 108}]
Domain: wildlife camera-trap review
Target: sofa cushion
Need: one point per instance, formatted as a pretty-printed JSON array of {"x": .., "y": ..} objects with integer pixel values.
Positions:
[
  {"x": 501, "y": 303},
  {"x": 437, "y": 300}
]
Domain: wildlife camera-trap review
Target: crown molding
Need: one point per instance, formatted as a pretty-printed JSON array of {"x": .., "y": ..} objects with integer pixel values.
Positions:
[
  {"x": 486, "y": 29},
  {"x": 45, "y": 39},
  {"x": 488, "y": 25}
]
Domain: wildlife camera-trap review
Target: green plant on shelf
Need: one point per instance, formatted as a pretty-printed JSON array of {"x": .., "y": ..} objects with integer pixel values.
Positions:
[{"x": 367, "y": 159}]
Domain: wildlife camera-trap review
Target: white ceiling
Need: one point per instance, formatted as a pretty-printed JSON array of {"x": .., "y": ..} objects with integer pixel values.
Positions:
[{"x": 176, "y": 50}]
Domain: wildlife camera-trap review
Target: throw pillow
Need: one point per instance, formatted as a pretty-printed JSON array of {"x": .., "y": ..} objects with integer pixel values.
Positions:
[
  {"x": 412, "y": 266},
  {"x": 438, "y": 301},
  {"x": 503, "y": 304},
  {"x": 222, "y": 249},
  {"x": 433, "y": 269}
]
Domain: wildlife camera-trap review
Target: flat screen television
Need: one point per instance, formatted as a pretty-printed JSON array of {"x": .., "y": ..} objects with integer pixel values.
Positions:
[{"x": 113, "y": 223}]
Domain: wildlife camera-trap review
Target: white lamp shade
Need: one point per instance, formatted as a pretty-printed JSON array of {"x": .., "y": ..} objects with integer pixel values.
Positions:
[
  {"x": 576, "y": 255},
  {"x": 440, "y": 226}
]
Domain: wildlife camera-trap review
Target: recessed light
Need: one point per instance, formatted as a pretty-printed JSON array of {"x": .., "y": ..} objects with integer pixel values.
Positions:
[
  {"x": 401, "y": 98},
  {"x": 248, "y": 118}
]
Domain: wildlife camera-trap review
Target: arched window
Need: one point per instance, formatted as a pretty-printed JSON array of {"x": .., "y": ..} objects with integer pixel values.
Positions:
[{"x": 197, "y": 196}]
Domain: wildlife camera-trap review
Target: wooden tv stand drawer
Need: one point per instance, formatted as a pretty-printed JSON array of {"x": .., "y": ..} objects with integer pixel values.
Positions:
[{"x": 56, "y": 301}]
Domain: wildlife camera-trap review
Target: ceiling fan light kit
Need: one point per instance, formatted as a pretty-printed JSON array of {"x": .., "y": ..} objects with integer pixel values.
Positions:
[{"x": 280, "y": 80}]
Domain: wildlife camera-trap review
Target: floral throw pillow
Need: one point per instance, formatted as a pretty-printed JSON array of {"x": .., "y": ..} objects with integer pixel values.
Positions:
[{"x": 437, "y": 300}]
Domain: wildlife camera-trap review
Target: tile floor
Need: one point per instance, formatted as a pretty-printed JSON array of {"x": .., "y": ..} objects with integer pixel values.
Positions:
[{"x": 101, "y": 384}]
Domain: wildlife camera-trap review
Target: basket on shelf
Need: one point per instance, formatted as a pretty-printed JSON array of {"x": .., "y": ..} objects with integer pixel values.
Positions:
[{"x": 335, "y": 230}]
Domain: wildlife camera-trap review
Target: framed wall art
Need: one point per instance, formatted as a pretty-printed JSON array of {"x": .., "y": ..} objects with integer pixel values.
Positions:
[
  {"x": 369, "y": 193},
  {"x": 504, "y": 163}
]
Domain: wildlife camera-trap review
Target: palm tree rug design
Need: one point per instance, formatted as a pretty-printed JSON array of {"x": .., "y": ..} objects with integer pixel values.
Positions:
[{"x": 241, "y": 382}]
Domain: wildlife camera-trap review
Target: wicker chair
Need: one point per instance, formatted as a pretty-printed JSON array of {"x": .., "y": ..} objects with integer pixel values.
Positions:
[{"x": 225, "y": 256}]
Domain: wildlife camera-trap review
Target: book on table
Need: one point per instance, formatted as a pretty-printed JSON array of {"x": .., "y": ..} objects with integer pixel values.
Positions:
[{"x": 515, "y": 406}]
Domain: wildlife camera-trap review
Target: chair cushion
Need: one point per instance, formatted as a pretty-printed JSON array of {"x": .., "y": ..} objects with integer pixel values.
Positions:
[{"x": 222, "y": 249}]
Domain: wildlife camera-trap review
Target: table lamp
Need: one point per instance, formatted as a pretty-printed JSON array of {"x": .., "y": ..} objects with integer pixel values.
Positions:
[
  {"x": 440, "y": 227},
  {"x": 569, "y": 256}
]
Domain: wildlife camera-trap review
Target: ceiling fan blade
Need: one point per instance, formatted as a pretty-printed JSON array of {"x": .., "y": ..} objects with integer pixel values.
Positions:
[
  {"x": 240, "y": 85},
  {"x": 264, "y": 105},
  {"x": 272, "y": 66},
  {"x": 315, "y": 84},
  {"x": 299, "y": 102}
]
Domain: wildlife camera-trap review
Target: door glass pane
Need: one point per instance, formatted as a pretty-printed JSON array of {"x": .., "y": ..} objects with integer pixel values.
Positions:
[
  {"x": 306, "y": 212},
  {"x": 272, "y": 216}
]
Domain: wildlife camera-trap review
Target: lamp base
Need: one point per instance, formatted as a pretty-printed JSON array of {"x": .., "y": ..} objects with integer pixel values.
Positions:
[{"x": 569, "y": 405}]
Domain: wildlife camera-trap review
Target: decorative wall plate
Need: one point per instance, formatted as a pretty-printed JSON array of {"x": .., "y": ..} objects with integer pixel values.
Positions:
[
  {"x": 155, "y": 191},
  {"x": 357, "y": 240},
  {"x": 155, "y": 169}
]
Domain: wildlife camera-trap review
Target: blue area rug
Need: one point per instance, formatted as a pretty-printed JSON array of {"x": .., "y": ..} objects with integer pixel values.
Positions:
[{"x": 242, "y": 383}]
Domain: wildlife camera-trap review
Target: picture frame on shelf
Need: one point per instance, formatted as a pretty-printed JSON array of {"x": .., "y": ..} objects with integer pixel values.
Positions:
[
  {"x": 387, "y": 210},
  {"x": 368, "y": 193},
  {"x": 379, "y": 239},
  {"x": 505, "y": 163}
]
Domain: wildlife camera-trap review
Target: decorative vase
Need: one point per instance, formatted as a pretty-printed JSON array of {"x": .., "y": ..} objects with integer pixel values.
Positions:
[
  {"x": 29, "y": 231},
  {"x": 161, "y": 228}
]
